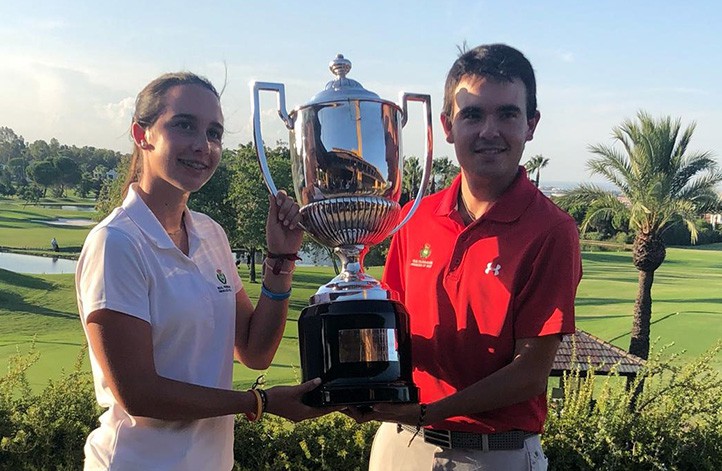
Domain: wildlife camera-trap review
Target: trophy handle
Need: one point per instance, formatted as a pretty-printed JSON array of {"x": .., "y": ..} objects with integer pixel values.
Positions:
[
  {"x": 257, "y": 137},
  {"x": 428, "y": 148}
]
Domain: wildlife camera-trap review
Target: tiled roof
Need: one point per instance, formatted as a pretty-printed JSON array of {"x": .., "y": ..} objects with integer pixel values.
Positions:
[{"x": 590, "y": 350}]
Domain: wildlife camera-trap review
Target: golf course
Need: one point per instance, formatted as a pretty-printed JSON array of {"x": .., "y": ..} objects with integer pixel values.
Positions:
[{"x": 40, "y": 309}]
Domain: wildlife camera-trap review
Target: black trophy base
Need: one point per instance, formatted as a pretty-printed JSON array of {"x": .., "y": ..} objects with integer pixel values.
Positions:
[
  {"x": 330, "y": 395},
  {"x": 361, "y": 350}
]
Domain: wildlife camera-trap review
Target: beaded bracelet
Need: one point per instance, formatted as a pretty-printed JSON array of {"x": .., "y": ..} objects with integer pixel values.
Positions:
[
  {"x": 264, "y": 399},
  {"x": 272, "y": 295}
]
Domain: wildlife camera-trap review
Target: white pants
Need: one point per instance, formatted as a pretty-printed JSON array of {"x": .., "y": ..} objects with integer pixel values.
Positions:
[{"x": 391, "y": 452}]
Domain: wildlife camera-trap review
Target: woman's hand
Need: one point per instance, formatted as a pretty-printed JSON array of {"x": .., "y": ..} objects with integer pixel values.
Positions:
[
  {"x": 283, "y": 234},
  {"x": 285, "y": 401}
]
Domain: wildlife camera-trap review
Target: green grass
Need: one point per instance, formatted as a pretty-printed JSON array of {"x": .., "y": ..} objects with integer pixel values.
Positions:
[
  {"x": 686, "y": 295},
  {"x": 686, "y": 310},
  {"x": 687, "y": 307},
  {"x": 26, "y": 315},
  {"x": 26, "y": 228}
]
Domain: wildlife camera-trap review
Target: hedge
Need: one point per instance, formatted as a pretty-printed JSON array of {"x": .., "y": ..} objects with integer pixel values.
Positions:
[{"x": 670, "y": 419}]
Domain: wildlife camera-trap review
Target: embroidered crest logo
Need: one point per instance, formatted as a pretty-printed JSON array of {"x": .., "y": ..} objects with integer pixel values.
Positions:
[
  {"x": 491, "y": 268},
  {"x": 422, "y": 261},
  {"x": 221, "y": 276}
]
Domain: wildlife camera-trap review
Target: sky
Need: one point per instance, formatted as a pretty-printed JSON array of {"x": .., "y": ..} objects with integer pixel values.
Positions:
[{"x": 70, "y": 70}]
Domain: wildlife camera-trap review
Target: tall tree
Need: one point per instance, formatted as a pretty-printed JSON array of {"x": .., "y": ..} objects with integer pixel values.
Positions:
[
  {"x": 213, "y": 198},
  {"x": 249, "y": 195},
  {"x": 40, "y": 150},
  {"x": 43, "y": 173},
  {"x": 110, "y": 195},
  {"x": 443, "y": 172},
  {"x": 17, "y": 167},
  {"x": 411, "y": 180},
  {"x": 11, "y": 145},
  {"x": 534, "y": 165},
  {"x": 68, "y": 174},
  {"x": 664, "y": 185}
]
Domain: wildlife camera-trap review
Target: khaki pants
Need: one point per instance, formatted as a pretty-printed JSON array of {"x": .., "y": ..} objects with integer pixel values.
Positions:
[{"x": 391, "y": 452}]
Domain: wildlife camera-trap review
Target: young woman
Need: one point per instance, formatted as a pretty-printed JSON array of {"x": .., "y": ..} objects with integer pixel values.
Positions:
[{"x": 163, "y": 307}]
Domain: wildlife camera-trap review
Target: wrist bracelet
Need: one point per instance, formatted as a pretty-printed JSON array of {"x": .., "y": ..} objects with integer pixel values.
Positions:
[
  {"x": 259, "y": 407},
  {"x": 264, "y": 399},
  {"x": 273, "y": 295},
  {"x": 280, "y": 258},
  {"x": 276, "y": 267},
  {"x": 420, "y": 422},
  {"x": 422, "y": 416},
  {"x": 285, "y": 256}
]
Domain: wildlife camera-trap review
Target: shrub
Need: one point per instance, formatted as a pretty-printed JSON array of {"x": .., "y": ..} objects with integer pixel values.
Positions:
[
  {"x": 669, "y": 419},
  {"x": 673, "y": 423},
  {"x": 46, "y": 430},
  {"x": 332, "y": 442}
]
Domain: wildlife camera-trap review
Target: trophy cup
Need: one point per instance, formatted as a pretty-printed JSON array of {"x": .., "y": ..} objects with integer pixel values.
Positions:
[{"x": 346, "y": 164}]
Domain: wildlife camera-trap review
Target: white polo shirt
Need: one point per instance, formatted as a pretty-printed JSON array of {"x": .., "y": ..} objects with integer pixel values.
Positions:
[{"x": 130, "y": 265}]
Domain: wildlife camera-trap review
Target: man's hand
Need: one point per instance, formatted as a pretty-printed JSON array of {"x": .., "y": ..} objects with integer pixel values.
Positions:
[{"x": 386, "y": 412}]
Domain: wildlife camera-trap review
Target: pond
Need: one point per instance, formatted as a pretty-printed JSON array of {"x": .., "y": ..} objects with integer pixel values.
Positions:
[{"x": 34, "y": 265}]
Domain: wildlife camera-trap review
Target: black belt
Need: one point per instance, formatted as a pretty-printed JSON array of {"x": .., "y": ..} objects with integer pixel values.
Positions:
[{"x": 511, "y": 440}]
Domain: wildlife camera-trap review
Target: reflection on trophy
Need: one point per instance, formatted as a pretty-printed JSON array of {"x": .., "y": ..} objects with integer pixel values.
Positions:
[{"x": 347, "y": 165}]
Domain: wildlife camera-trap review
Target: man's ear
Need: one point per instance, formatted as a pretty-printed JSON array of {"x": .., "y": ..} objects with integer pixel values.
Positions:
[
  {"x": 446, "y": 124},
  {"x": 532, "y": 124}
]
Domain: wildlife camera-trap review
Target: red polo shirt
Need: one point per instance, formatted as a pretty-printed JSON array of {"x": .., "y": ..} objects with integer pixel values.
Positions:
[{"x": 472, "y": 291}]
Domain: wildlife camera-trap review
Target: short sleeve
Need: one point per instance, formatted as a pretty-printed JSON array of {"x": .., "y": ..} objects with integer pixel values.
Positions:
[
  {"x": 545, "y": 304},
  {"x": 111, "y": 274}
]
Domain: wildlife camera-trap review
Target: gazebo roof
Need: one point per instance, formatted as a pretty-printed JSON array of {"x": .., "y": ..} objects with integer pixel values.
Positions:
[{"x": 591, "y": 352}]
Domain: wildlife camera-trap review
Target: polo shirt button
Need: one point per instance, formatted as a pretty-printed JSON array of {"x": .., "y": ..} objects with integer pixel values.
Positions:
[{"x": 456, "y": 261}]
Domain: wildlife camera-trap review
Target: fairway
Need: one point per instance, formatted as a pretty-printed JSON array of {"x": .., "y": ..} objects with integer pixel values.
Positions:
[
  {"x": 686, "y": 310},
  {"x": 28, "y": 228},
  {"x": 687, "y": 299}
]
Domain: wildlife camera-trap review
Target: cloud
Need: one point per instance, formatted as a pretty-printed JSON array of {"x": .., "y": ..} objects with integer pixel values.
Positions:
[
  {"x": 120, "y": 112},
  {"x": 47, "y": 99}
]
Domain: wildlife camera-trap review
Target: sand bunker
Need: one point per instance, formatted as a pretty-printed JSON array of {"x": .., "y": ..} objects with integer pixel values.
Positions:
[{"x": 69, "y": 222}]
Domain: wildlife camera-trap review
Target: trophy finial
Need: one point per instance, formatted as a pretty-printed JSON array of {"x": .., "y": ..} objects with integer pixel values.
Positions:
[{"x": 340, "y": 66}]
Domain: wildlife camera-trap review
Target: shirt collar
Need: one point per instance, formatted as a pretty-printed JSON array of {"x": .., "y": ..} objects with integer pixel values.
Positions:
[
  {"x": 143, "y": 217},
  {"x": 510, "y": 205}
]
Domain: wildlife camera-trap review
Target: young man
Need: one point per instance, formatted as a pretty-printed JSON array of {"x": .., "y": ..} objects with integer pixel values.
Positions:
[{"x": 488, "y": 270}]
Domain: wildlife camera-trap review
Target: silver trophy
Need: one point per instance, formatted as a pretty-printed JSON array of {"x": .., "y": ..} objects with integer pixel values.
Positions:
[{"x": 347, "y": 167}]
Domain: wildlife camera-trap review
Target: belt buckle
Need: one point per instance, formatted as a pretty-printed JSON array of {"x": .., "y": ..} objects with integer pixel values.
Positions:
[{"x": 440, "y": 438}]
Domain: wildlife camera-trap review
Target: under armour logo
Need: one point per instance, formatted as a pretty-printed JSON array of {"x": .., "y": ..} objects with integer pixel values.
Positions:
[{"x": 491, "y": 268}]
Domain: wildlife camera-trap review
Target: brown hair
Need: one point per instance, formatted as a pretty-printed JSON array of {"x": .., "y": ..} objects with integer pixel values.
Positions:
[
  {"x": 497, "y": 61},
  {"x": 149, "y": 105}
]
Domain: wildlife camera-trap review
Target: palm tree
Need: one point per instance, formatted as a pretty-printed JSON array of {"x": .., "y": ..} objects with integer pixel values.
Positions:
[
  {"x": 663, "y": 185},
  {"x": 411, "y": 180},
  {"x": 443, "y": 172},
  {"x": 535, "y": 164}
]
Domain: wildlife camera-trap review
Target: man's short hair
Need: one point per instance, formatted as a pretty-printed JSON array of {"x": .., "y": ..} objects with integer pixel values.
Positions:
[{"x": 495, "y": 61}]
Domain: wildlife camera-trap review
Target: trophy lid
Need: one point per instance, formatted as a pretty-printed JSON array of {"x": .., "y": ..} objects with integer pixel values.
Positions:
[{"x": 342, "y": 88}]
